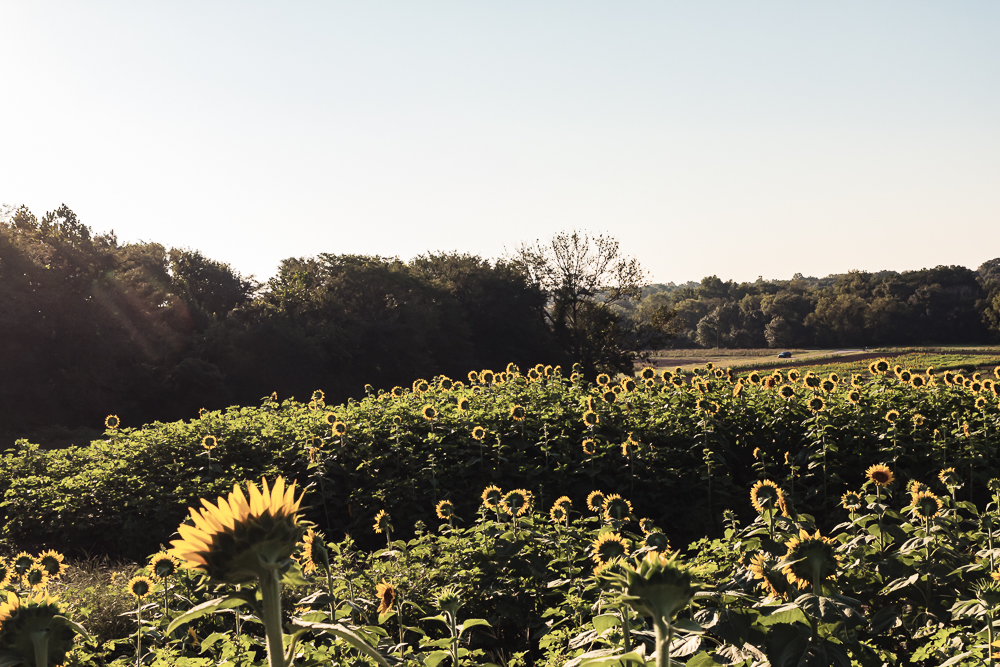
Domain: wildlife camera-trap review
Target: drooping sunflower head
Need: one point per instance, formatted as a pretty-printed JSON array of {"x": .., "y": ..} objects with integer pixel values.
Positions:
[
  {"x": 925, "y": 504},
  {"x": 236, "y": 540},
  {"x": 950, "y": 478},
  {"x": 655, "y": 539},
  {"x": 810, "y": 560},
  {"x": 516, "y": 503},
  {"x": 111, "y": 422},
  {"x": 816, "y": 404},
  {"x": 646, "y": 526},
  {"x": 533, "y": 374},
  {"x": 879, "y": 474},
  {"x": 52, "y": 562},
  {"x": 595, "y": 501},
  {"x": 382, "y": 524},
  {"x": 660, "y": 586},
  {"x": 386, "y": 594},
  {"x": 616, "y": 508},
  {"x": 609, "y": 546},
  {"x": 517, "y": 413},
  {"x": 6, "y": 574},
  {"x": 314, "y": 551},
  {"x": 738, "y": 388},
  {"x": 478, "y": 433},
  {"x": 445, "y": 510},
  {"x": 892, "y": 416},
  {"x": 565, "y": 501},
  {"x": 765, "y": 496},
  {"x": 770, "y": 382},
  {"x": 491, "y": 497},
  {"x": 765, "y": 567},
  {"x": 852, "y": 501}
]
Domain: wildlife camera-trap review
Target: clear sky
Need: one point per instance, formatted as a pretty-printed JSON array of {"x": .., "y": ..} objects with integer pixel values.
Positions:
[{"x": 729, "y": 138}]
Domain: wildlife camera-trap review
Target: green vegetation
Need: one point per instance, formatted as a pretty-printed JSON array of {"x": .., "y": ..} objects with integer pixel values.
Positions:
[{"x": 701, "y": 517}]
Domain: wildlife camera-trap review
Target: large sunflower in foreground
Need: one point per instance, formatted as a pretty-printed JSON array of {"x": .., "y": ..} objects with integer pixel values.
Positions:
[
  {"x": 810, "y": 560},
  {"x": 240, "y": 538}
]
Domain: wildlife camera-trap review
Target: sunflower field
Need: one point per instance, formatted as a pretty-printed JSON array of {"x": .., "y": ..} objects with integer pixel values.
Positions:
[{"x": 525, "y": 517}]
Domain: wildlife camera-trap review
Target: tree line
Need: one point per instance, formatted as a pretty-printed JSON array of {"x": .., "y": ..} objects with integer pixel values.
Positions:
[
  {"x": 942, "y": 305},
  {"x": 90, "y": 326}
]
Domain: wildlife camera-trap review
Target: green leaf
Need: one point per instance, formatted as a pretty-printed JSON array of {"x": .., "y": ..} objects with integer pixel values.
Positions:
[
  {"x": 341, "y": 632},
  {"x": 9, "y": 658},
  {"x": 687, "y": 625},
  {"x": 605, "y": 622},
  {"x": 789, "y": 613},
  {"x": 471, "y": 623},
  {"x": 435, "y": 657},
  {"x": 210, "y": 607}
]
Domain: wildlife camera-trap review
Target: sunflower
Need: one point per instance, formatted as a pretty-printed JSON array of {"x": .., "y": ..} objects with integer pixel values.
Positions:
[
  {"x": 516, "y": 502},
  {"x": 918, "y": 420},
  {"x": 486, "y": 377},
  {"x": 491, "y": 497},
  {"x": 590, "y": 418},
  {"x": 810, "y": 560},
  {"x": 811, "y": 380},
  {"x": 649, "y": 384},
  {"x": 949, "y": 478},
  {"x": 754, "y": 378},
  {"x": 852, "y": 501},
  {"x": 5, "y": 574},
  {"x": 463, "y": 404},
  {"x": 925, "y": 504},
  {"x": 472, "y": 376},
  {"x": 608, "y": 547},
  {"x": 314, "y": 552},
  {"x": 52, "y": 562},
  {"x": 574, "y": 378},
  {"x": 609, "y": 396},
  {"x": 533, "y": 374},
  {"x": 429, "y": 413},
  {"x": 112, "y": 422},
  {"x": 603, "y": 380},
  {"x": 22, "y": 562},
  {"x": 917, "y": 381},
  {"x": 558, "y": 513},
  {"x": 765, "y": 496},
  {"x": 879, "y": 474},
  {"x": 140, "y": 586},
  {"x": 209, "y": 442},
  {"x": 397, "y": 392},
  {"x": 980, "y": 403},
  {"x": 786, "y": 391},
  {"x": 646, "y": 526},
  {"x": 857, "y": 380},
  {"x": 854, "y": 397},
  {"x": 892, "y": 416},
  {"x": 595, "y": 501},
  {"x": 793, "y": 376},
  {"x": 512, "y": 368},
  {"x": 616, "y": 508},
  {"x": 339, "y": 428},
  {"x": 816, "y": 404},
  {"x": 828, "y": 386},
  {"x": 386, "y": 594},
  {"x": 36, "y": 578},
  {"x": 238, "y": 540},
  {"x": 677, "y": 381},
  {"x": 588, "y": 447},
  {"x": 770, "y": 382},
  {"x": 628, "y": 385},
  {"x": 881, "y": 366},
  {"x": 764, "y": 566},
  {"x": 647, "y": 373},
  {"x": 445, "y": 510},
  {"x": 382, "y": 522},
  {"x": 738, "y": 388},
  {"x": 517, "y": 413}
]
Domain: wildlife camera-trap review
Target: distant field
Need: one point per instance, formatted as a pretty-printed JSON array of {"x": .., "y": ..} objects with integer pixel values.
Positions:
[{"x": 842, "y": 361}]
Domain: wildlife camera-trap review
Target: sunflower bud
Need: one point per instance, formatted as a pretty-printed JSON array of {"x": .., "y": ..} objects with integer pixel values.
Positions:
[{"x": 660, "y": 587}]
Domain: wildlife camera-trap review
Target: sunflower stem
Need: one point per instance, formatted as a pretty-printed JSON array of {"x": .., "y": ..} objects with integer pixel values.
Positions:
[
  {"x": 270, "y": 593},
  {"x": 41, "y": 642},
  {"x": 664, "y": 637},
  {"x": 138, "y": 638},
  {"x": 626, "y": 628}
]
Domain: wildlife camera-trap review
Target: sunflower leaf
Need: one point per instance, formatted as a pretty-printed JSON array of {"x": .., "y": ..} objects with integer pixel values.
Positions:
[
  {"x": 210, "y": 607},
  {"x": 341, "y": 632}
]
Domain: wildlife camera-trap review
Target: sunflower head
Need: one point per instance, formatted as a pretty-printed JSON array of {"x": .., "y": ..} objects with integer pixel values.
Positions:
[
  {"x": 35, "y": 579},
  {"x": 603, "y": 380},
  {"x": 892, "y": 416},
  {"x": 925, "y": 504},
  {"x": 397, "y": 392},
  {"x": 339, "y": 428},
  {"x": 516, "y": 503},
  {"x": 314, "y": 551},
  {"x": 386, "y": 594},
  {"x": 854, "y": 397},
  {"x": 812, "y": 380},
  {"x": 609, "y": 546},
  {"x": 492, "y": 497},
  {"x": 616, "y": 508},
  {"x": 765, "y": 496},
  {"x": 382, "y": 524},
  {"x": 828, "y": 386},
  {"x": 660, "y": 586},
  {"x": 628, "y": 385},
  {"x": 486, "y": 377},
  {"x": 879, "y": 474},
  {"x": 52, "y": 562},
  {"x": 655, "y": 539},
  {"x": 445, "y": 510},
  {"x": 595, "y": 501},
  {"x": 852, "y": 501},
  {"x": 24, "y": 620},
  {"x": 980, "y": 403},
  {"x": 988, "y": 592},
  {"x": 6, "y": 574},
  {"x": 590, "y": 418},
  {"x": 647, "y": 373},
  {"x": 950, "y": 478},
  {"x": 240, "y": 539},
  {"x": 646, "y": 526},
  {"x": 140, "y": 587},
  {"x": 478, "y": 433},
  {"x": 589, "y": 447},
  {"x": 428, "y": 412},
  {"x": 817, "y": 404},
  {"x": 765, "y": 567},
  {"x": 111, "y": 422},
  {"x": 810, "y": 560},
  {"x": 609, "y": 396},
  {"x": 517, "y": 413},
  {"x": 558, "y": 513},
  {"x": 793, "y": 376},
  {"x": 917, "y": 381},
  {"x": 22, "y": 562}
]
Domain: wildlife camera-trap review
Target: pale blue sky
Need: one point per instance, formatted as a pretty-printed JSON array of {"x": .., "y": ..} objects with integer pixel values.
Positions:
[{"x": 729, "y": 138}]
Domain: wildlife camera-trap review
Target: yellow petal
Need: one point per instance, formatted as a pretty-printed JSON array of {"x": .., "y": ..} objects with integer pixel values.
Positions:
[
  {"x": 256, "y": 500},
  {"x": 238, "y": 504},
  {"x": 220, "y": 514},
  {"x": 204, "y": 521},
  {"x": 194, "y": 537},
  {"x": 277, "y": 496}
]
